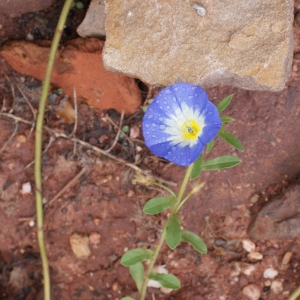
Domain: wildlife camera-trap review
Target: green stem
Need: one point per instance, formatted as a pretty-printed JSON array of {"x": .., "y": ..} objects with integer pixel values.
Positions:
[
  {"x": 163, "y": 234},
  {"x": 38, "y": 147},
  {"x": 295, "y": 294}
]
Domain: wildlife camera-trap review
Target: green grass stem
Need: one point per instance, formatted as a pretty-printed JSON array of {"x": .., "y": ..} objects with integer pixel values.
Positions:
[{"x": 38, "y": 148}]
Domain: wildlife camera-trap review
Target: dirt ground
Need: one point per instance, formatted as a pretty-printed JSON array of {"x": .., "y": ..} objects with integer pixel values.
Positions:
[{"x": 99, "y": 198}]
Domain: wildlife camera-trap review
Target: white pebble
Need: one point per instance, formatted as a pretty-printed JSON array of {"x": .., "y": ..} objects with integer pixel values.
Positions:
[
  {"x": 270, "y": 273},
  {"x": 276, "y": 287},
  {"x": 248, "y": 245},
  {"x": 248, "y": 271},
  {"x": 26, "y": 188},
  {"x": 251, "y": 291},
  {"x": 255, "y": 256},
  {"x": 31, "y": 223}
]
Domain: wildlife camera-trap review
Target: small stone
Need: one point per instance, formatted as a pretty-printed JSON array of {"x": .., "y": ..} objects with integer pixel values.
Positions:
[
  {"x": 94, "y": 238},
  {"x": 254, "y": 198},
  {"x": 31, "y": 223},
  {"x": 270, "y": 273},
  {"x": 268, "y": 282},
  {"x": 255, "y": 256},
  {"x": 248, "y": 245},
  {"x": 134, "y": 132},
  {"x": 286, "y": 258},
  {"x": 276, "y": 287},
  {"x": 80, "y": 245},
  {"x": 93, "y": 24},
  {"x": 115, "y": 286},
  {"x": 26, "y": 188},
  {"x": 165, "y": 290},
  {"x": 97, "y": 221},
  {"x": 251, "y": 291}
]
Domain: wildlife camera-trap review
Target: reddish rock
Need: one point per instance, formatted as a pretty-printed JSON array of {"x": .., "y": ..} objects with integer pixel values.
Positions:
[
  {"x": 18, "y": 7},
  {"x": 78, "y": 65},
  {"x": 279, "y": 219}
]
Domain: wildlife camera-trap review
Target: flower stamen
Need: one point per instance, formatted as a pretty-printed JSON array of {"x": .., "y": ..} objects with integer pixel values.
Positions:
[{"x": 191, "y": 130}]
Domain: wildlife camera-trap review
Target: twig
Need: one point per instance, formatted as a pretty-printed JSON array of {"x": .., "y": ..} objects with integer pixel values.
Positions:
[
  {"x": 32, "y": 110},
  {"x": 76, "y": 119},
  {"x": 45, "y": 150},
  {"x": 112, "y": 122},
  {"x": 67, "y": 186},
  {"x": 118, "y": 133},
  {"x": 98, "y": 150},
  {"x": 12, "y": 91},
  {"x": 10, "y": 138}
]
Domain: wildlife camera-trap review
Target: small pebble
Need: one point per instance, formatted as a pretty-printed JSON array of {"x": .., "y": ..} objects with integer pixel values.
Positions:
[
  {"x": 26, "y": 188},
  {"x": 115, "y": 286},
  {"x": 251, "y": 291},
  {"x": 254, "y": 198},
  {"x": 286, "y": 258},
  {"x": 80, "y": 245},
  {"x": 270, "y": 273},
  {"x": 94, "y": 238},
  {"x": 254, "y": 256},
  {"x": 248, "y": 245},
  {"x": 31, "y": 223},
  {"x": 276, "y": 287}
]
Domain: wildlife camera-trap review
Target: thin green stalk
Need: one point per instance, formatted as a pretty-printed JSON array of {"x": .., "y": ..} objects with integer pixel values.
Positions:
[
  {"x": 38, "y": 147},
  {"x": 295, "y": 294},
  {"x": 163, "y": 234}
]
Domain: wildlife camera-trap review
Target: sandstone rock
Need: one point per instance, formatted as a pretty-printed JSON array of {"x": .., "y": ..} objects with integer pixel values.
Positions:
[
  {"x": 247, "y": 44},
  {"x": 248, "y": 245},
  {"x": 254, "y": 256},
  {"x": 280, "y": 218},
  {"x": 18, "y": 7},
  {"x": 93, "y": 24},
  {"x": 251, "y": 291},
  {"x": 78, "y": 65},
  {"x": 276, "y": 287},
  {"x": 80, "y": 245}
]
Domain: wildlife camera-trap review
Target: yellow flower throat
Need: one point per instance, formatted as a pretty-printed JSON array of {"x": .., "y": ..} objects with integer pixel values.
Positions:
[{"x": 190, "y": 130}]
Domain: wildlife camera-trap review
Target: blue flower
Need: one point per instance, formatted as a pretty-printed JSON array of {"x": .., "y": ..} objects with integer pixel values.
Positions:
[{"x": 180, "y": 122}]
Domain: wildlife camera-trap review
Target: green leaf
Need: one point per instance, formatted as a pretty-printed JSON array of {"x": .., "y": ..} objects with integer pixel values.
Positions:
[
  {"x": 137, "y": 273},
  {"x": 231, "y": 139},
  {"x": 134, "y": 256},
  {"x": 173, "y": 231},
  {"x": 221, "y": 162},
  {"x": 127, "y": 298},
  {"x": 197, "y": 167},
  {"x": 210, "y": 146},
  {"x": 166, "y": 280},
  {"x": 193, "y": 239},
  {"x": 125, "y": 128},
  {"x": 159, "y": 204},
  {"x": 79, "y": 5},
  {"x": 224, "y": 103},
  {"x": 226, "y": 119}
]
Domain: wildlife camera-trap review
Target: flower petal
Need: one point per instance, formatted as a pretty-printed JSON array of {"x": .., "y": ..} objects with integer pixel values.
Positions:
[{"x": 180, "y": 122}]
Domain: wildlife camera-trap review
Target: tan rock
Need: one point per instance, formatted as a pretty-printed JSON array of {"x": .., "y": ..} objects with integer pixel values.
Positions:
[
  {"x": 80, "y": 245},
  {"x": 93, "y": 24},
  {"x": 248, "y": 44},
  {"x": 78, "y": 65},
  {"x": 251, "y": 291}
]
